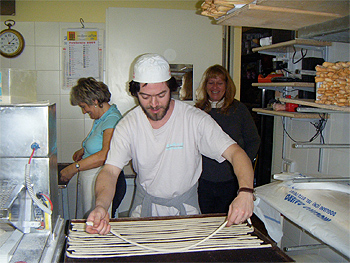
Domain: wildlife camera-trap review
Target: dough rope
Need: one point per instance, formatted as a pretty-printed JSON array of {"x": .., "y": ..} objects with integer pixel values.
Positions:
[
  {"x": 169, "y": 250},
  {"x": 152, "y": 237}
]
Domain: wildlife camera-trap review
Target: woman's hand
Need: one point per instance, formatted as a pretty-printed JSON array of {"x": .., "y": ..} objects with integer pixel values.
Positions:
[
  {"x": 67, "y": 173},
  {"x": 78, "y": 155}
]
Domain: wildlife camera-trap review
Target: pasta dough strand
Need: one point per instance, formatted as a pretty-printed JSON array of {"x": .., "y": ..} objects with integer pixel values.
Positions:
[
  {"x": 152, "y": 237},
  {"x": 169, "y": 250}
]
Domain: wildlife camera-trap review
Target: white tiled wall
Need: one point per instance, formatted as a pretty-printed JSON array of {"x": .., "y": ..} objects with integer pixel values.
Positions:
[{"x": 43, "y": 53}]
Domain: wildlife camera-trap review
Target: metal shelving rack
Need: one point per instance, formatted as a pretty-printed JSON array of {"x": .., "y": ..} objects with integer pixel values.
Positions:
[{"x": 314, "y": 109}]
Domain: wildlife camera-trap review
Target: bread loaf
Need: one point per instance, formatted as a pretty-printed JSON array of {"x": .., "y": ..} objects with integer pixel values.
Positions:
[
  {"x": 333, "y": 83},
  {"x": 216, "y": 8}
]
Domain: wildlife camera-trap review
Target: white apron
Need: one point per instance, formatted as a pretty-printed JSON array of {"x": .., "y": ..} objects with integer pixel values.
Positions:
[{"x": 86, "y": 192}]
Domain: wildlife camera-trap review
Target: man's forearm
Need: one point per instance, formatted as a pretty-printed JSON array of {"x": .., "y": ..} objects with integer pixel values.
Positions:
[
  {"x": 105, "y": 185},
  {"x": 241, "y": 164}
]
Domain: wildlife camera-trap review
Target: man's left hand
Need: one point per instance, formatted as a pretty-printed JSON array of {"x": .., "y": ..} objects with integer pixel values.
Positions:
[{"x": 240, "y": 209}]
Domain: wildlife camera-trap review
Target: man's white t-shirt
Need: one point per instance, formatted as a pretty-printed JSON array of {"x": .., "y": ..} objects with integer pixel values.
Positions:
[{"x": 168, "y": 160}]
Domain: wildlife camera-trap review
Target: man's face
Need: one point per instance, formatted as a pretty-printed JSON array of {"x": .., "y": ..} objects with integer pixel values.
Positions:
[{"x": 154, "y": 99}]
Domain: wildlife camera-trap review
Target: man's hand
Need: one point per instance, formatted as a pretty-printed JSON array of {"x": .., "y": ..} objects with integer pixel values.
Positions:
[
  {"x": 242, "y": 206},
  {"x": 98, "y": 222},
  {"x": 240, "y": 209}
]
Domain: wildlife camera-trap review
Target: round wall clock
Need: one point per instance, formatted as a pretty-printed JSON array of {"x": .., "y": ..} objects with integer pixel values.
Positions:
[{"x": 11, "y": 41}]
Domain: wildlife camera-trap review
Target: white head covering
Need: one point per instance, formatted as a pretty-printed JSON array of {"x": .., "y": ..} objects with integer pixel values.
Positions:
[{"x": 151, "y": 68}]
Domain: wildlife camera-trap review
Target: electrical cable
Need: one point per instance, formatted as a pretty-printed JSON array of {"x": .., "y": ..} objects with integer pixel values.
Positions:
[
  {"x": 302, "y": 55},
  {"x": 28, "y": 183},
  {"x": 319, "y": 126},
  {"x": 31, "y": 156},
  {"x": 283, "y": 69},
  {"x": 47, "y": 199}
]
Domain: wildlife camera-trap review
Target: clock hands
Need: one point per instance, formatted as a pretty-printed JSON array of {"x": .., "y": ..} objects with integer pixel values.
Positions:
[{"x": 11, "y": 41}]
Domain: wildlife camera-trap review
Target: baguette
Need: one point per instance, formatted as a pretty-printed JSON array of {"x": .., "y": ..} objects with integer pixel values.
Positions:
[
  {"x": 224, "y": 3},
  {"x": 327, "y": 64}
]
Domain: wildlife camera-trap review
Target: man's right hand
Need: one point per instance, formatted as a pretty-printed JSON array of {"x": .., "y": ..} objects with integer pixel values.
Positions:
[{"x": 99, "y": 218}]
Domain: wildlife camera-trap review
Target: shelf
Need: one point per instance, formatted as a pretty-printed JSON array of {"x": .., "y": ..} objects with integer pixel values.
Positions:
[
  {"x": 312, "y": 103},
  {"x": 288, "y": 15},
  {"x": 306, "y": 86},
  {"x": 285, "y": 46},
  {"x": 337, "y": 30},
  {"x": 297, "y": 115}
]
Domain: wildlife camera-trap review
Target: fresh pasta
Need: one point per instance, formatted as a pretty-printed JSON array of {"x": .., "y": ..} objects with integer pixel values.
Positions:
[{"x": 148, "y": 237}]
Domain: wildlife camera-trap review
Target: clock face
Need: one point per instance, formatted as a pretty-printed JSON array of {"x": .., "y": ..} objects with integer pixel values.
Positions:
[{"x": 11, "y": 43}]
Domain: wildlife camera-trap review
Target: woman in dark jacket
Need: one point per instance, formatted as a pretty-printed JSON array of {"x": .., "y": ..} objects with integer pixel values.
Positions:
[{"x": 218, "y": 184}]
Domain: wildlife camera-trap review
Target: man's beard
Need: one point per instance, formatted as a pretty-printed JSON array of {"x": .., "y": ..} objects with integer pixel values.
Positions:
[{"x": 156, "y": 116}]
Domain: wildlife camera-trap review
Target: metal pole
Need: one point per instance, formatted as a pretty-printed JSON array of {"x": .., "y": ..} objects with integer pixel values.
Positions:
[
  {"x": 320, "y": 179},
  {"x": 319, "y": 145},
  {"x": 305, "y": 247}
]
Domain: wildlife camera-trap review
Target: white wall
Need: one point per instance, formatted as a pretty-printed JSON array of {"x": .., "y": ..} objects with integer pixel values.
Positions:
[{"x": 181, "y": 36}]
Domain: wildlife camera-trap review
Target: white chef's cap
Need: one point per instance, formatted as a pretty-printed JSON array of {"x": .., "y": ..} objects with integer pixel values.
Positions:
[{"x": 151, "y": 68}]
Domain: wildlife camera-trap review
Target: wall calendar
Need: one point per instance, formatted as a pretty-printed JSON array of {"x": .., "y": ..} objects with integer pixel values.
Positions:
[{"x": 82, "y": 55}]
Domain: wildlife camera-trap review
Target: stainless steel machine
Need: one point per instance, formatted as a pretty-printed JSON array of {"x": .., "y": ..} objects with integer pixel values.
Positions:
[{"x": 31, "y": 229}]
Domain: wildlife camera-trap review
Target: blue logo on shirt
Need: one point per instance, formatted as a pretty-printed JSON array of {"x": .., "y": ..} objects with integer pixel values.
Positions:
[{"x": 174, "y": 146}]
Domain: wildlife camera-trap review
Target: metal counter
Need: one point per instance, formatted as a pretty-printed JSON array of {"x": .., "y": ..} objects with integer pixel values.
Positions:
[{"x": 43, "y": 247}]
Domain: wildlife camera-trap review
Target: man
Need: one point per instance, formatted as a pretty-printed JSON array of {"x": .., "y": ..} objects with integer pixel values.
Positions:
[{"x": 165, "y": 139}]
